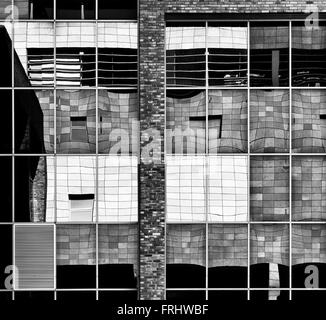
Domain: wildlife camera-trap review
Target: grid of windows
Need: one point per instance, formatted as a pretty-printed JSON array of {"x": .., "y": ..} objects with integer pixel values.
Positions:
[
  {"x": 245, "y": 226},
  {"x": 70, "y": 152}
]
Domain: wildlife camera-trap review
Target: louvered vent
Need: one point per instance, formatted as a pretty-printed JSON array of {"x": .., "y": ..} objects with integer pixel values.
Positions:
[{"x": 34, "y": 257}]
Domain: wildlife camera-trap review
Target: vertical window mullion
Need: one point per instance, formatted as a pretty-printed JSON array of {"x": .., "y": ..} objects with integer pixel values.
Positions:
[
  {"x": 290, "y": 160},
  {"x": 248, "y": 159},
  {"x": 13, "y": 139},
  {"x": 206, "y": 190}
]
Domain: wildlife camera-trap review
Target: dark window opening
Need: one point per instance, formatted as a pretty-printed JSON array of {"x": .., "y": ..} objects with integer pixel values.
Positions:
[
  {"x": 101, "y": 125},
  {"x": 197, "y": 118},
  {"x": 89, "y": 196}
]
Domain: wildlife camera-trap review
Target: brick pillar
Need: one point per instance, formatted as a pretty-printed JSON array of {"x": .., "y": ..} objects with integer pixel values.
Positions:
[{"x": 152, "y": 170}]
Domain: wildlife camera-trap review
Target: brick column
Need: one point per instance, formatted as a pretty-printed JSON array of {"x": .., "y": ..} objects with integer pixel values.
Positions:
[{"x": 152, "y": 170}]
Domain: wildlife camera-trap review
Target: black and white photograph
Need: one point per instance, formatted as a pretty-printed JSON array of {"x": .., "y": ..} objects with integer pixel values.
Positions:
[{"x": 159, "y": 150}]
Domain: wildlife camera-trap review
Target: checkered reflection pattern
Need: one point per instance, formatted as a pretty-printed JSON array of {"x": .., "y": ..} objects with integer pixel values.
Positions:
[
  {"x": 309, "y": 121},
  {"x": 269, "y": 244},
  {"x": 231, "y": 105},
  {"x": 269, "y": 121},
  {"x": 308, "y": 188},
  {"x": 269, "y": 188},
  {"x": 185, "y": 244},
  {"x": 215, "y": 176},
  {"x": 227, "y": 245}
]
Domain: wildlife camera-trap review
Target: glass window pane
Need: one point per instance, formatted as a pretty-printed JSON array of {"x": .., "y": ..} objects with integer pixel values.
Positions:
[
  {"x": 228, "y": 256},
  {"x": 117, "y": 189},
  {"x": 6, "y": 98},
  {"x": 308, "y": 188},
  {"x": 34, "y": 121},
  {"x": 269, "y": 256},
  {"x": 34, "y": 189},
  {"x": 118, "y": 256},
  {"x": 118, "y": 126},
  {"x": 185, "y": 122},
  {"x": 185, "y": 256},
  {"x": 227, "y": 121},
  {"x": 227, "y": 192},
  {"x": 308, "y": 121},
  {"x": 117, "y": 9},
  {"x": 269, "y": 188},
  {"x": 6, "y": 255},
  {"x": 117, "y": 54},
  {"x": 185, "y": 55},
  {"x": 308, "y": 54},
  {"x": 75, "y": 55},
  {"x": 269, "y": 121},
  {"x": 36, "y": 9},
  {"x": 269, "y": 54},
  {"x": 5, "y": 9},
  {"x": 76, "y": 256},
  {"x": 22, "y": 8},
  {"x": 308, "y": 256},
  {"x": 6, "y": 30},
  {"x": 6, "y": 189},
  {"x": 227, "y": 54},
  {"x": 185, "y": 189},
  {"x": 75, "y": 9},
  {"x": 34, "y": 45},
  {"x": 75, "y": 105},
  {"x": 76, "y": 178}
]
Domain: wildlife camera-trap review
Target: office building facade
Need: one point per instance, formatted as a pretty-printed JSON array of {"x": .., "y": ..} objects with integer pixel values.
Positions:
[{"x": 163, "y": 149}]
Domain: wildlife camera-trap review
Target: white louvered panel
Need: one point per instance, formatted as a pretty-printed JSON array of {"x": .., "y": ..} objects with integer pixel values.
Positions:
[{"x": 34, "y": 257}]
